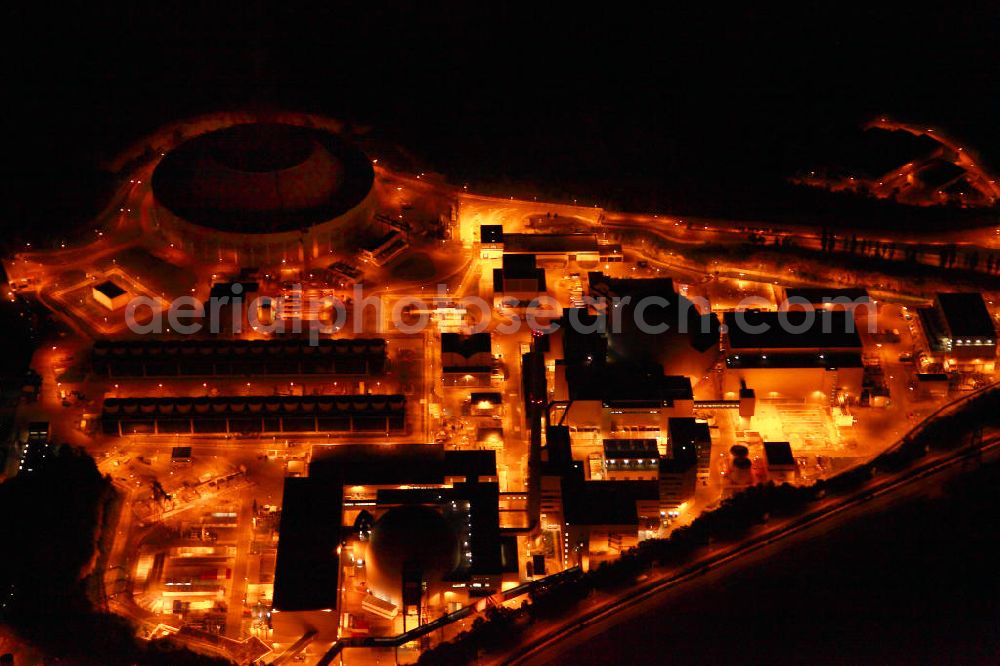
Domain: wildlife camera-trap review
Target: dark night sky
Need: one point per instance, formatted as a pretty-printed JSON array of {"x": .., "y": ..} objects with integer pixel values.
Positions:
[
  {"x": 638, "y": 106},
  {"x": 614, "y": 103}
]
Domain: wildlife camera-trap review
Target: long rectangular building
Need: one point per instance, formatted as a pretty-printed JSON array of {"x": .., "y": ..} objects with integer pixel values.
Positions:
[
  {"x": 794, "y": 331},
  {"x": 793, "y": 354},
  {"x": 207, "y": 358},
  {"x": 254, "y": 415}
]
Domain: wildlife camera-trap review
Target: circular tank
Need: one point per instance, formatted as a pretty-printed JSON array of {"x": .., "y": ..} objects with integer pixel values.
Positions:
[
  {"x": 262, "y": 193},
  {"x": 416, "y": 535},
  {"x": 740, "y": 473}
]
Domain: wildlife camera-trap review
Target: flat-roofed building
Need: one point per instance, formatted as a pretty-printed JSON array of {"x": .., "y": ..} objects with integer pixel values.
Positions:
[
  {"x": 307, "y": 570},
  {"x": 606, "y": 518},
  {"x": 678, "y": 480},
  {"x": 576, "y": 340},
  {"x": 556, "y": 461},
  {"x": 813, "y": 376},
  {"x": 618, "y": 401},
  {"x": 384, "y": 249},
  {"x": 961, "y": 332},
  {"x": 794, "y": 331},
  {"x": 931, "y": 385},
  {"x": 679, "y": 469},
  {"x": 581, "y": 248},
  {"x": 228, "y": 307},
  {"x": 218, "y": 357},
  {"x": 592, "y": 520},
  {"x": 609, "y": 253},
  {"x": 180, "y": 455},
  {"x": 369, "y": 512},
  {"x": 486, "y": 404},
  {"x": 655, "y": 324},
  {"x": 466, "y": 360},
  {"x": 689, "y": 436},
  {"x": 793, "y": 354},
  {"x": 110, "y": 295},
  {"x": 518, "y": 282},
  {"x": 491, "y": 241},
  {"x": 254, "y": 415},
  {"x": 38, "y": 432}
]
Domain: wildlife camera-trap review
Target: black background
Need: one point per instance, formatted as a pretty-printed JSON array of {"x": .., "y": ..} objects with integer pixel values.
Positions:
[
  {"x": 661, "y": 107},
  {"x": 657, "y": 107}
]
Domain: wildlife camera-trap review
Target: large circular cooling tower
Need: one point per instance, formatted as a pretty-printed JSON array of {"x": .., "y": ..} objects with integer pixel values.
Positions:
[
  {"x": 410, "y": 534},
  {"x": 261, "y": 178},
  {"x": 259, "y": 194}
]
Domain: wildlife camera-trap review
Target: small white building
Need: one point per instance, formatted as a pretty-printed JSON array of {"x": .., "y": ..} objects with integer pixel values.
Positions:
[{"x": 110, "y": 295}]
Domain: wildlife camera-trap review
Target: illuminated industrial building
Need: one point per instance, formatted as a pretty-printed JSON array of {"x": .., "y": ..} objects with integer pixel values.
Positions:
[
  {"x": 518, "y": 282},
  {"x": 254, "y": 415},
  {"x": 850, "y": 299},
  {"x": 392, "y": 535},
  {"x": 781, "y": 465},
  {"x": 813, "y": 356},
  {"x": 559, "y": 249},
  {"x": 631, "y": 459},
  {"x": 219, "y": 357},
  {"x": 618, "y": 401},
  {"x": 466, "y": 360},
  {"x": 591, "y": 519},
  {"x": 960, "y": 332},
  {"x": 110, "y": 295},
  {"x": 657, "y": 324}
]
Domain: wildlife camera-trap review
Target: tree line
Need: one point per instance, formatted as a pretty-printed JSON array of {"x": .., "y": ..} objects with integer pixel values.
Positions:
[{"x": 53, "y": 516}]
